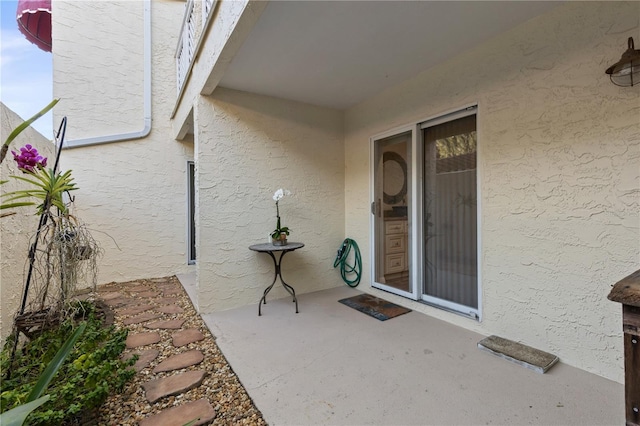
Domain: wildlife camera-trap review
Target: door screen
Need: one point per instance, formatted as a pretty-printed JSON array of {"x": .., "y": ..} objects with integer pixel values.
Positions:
[{"x": 450, "y": 213}]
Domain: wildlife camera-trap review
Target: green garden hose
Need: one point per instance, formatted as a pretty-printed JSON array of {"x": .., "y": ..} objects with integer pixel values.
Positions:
[{"x": 348, "y": 271}]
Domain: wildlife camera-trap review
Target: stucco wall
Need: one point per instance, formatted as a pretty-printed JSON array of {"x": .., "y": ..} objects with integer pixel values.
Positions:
[
  {"x": 17, "y": 229},
  {"x": 559, "y": 169},
  {"x": 133, "y": 194},
  {"x": 247, "y": 147}
]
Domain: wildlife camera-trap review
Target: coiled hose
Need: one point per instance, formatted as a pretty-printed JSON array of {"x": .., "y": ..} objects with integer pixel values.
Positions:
[{"x": 351, "y": 274}]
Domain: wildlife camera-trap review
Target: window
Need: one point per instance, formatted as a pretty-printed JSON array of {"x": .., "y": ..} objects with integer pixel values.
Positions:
[{"x": 191, "y": 213}]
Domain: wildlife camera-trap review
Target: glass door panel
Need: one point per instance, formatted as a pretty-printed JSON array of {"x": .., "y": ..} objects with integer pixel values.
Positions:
[
  {"x": 450, "y": 214},
  {"x": 391, "y": 207}
]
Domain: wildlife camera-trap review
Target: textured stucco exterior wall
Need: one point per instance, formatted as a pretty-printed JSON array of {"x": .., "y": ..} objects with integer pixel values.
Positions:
[
  {"x": 133, "y": 194},
  {"x": 16, "y": 230},
  {"x": 247, "y": 147},
  {"x": 559, "y": 169}
]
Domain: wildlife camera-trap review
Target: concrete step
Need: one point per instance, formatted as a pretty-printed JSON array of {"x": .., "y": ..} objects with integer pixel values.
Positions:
[{"x": 518, "y": 353}]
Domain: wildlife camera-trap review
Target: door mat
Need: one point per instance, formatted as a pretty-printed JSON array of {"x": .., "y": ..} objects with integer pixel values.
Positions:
[
  {"x": 524, "y": 355},
  {"x": 374, "y": 306}
]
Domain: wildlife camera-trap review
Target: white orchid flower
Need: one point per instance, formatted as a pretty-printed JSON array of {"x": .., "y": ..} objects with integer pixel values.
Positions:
[{"x": 277, "y": 196}]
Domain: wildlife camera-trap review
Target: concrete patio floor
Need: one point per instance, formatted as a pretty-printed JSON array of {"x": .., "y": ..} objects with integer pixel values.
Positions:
[{"x": 332, "y": 365}]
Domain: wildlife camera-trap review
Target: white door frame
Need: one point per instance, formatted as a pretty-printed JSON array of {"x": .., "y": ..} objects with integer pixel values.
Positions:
[
  {"x": 415, "y": 214},
  {"x": 375, "y": 256}
]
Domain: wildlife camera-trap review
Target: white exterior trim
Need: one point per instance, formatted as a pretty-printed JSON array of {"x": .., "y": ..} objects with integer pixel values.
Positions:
[{"x": 412, "y": 295}]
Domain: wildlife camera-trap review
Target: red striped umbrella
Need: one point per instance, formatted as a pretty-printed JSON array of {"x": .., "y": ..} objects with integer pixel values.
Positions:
[{"x": 34, "y": 21}]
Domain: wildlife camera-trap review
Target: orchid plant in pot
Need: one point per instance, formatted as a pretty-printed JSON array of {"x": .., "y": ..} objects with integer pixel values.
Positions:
[{"x": 279, "y": 235}]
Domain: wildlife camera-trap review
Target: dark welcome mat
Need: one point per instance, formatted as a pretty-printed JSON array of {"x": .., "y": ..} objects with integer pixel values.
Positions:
[{"x": 374, "y": 306}]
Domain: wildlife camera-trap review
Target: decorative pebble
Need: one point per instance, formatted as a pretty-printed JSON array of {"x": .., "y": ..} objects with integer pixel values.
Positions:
[{"x": 220, "y": 387}]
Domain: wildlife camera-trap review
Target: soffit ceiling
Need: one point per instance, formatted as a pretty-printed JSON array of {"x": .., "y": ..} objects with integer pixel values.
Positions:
[{"x": 339, "y": 53}]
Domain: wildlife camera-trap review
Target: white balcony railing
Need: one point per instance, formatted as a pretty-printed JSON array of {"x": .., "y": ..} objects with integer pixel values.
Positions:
[
  {"x": 207, "y": 7},
  {"x": 191, "y": 37},
  {"x": 186, "y": 45}
]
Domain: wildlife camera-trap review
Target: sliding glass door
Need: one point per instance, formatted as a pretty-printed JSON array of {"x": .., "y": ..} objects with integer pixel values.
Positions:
[
  {"x": 391, "y": 208},
  {"x": 425, "y": 212},
  {"x": 449, "y": 212}
]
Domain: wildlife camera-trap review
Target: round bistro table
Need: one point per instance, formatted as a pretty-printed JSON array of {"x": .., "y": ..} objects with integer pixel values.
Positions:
[{"x": 270, "y": 249}]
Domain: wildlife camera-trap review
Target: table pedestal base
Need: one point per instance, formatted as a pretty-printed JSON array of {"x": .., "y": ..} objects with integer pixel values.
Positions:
[{"x": 278, "y": 273}]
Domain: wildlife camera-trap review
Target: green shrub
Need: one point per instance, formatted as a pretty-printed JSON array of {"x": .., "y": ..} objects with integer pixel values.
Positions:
[{"x": 91, "y": 372}]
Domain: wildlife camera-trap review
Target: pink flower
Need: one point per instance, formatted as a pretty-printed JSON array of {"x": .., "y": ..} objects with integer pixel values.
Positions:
[{"x": 28, "y": 159}]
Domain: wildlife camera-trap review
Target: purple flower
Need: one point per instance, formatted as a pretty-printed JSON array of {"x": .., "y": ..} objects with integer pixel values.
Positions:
[{"x": 28, "y": 159}]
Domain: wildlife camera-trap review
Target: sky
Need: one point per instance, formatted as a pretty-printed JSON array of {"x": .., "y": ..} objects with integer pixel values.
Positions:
[{"x": 26, "y": 77}]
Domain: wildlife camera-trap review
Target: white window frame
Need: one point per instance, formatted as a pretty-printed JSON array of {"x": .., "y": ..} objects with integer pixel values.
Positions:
[{"x": 192, "y": 254}]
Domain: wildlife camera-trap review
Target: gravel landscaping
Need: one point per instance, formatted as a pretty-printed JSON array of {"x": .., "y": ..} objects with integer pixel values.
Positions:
[{"x": 142, "y": 306}]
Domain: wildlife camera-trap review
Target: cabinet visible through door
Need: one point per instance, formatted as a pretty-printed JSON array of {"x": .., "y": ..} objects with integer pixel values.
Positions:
[
  {"x": 392, "y": 225},
  {"x": 395, "y": 248}
]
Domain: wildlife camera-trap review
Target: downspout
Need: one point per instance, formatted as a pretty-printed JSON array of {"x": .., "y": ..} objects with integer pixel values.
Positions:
[{"x": 118, "y": 137}]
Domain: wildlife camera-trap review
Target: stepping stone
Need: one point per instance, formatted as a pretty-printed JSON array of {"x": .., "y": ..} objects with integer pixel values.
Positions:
[
  {"x": 168, "y": 300},
  {"x": 187, "y": 336},
  {"x": 138, "y": 288},
  {"x": 170, "y": 309},
  {"x": 144, "y": 358},
  {"x": 169, "y": 291},
  {"x": 182, "y": 414},
  {"x": 524, "y": 355},
  {"x": 142, "y": 339},
  {"x": 172, "y": 385},
  {"x": 152, "y": 293},
  {"x": 82, "y": 296},
  {"x": 176, "y": 362},
  {"x": 147, "y": 316},
  {"x": 165, "y": 324},
  {"x": 133, "y": 310},
  {"x": 107, "y": 288},
  {"x": 111, "y": 295},
  {"x": 116, "y": 302}
]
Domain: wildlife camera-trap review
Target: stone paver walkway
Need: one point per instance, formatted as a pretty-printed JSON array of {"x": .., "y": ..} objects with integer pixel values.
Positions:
[{"x": 181, "y": 374}]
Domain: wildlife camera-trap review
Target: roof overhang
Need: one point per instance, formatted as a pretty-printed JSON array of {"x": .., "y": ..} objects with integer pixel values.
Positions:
[{"x": 339, "y": 53}]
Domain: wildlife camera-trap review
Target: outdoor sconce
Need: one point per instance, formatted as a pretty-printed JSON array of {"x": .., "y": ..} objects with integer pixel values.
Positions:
[{"x": 626, "y": 72}]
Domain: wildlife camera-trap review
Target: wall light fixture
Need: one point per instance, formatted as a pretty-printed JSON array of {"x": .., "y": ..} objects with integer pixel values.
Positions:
[{"x": 626, "y": 72}]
